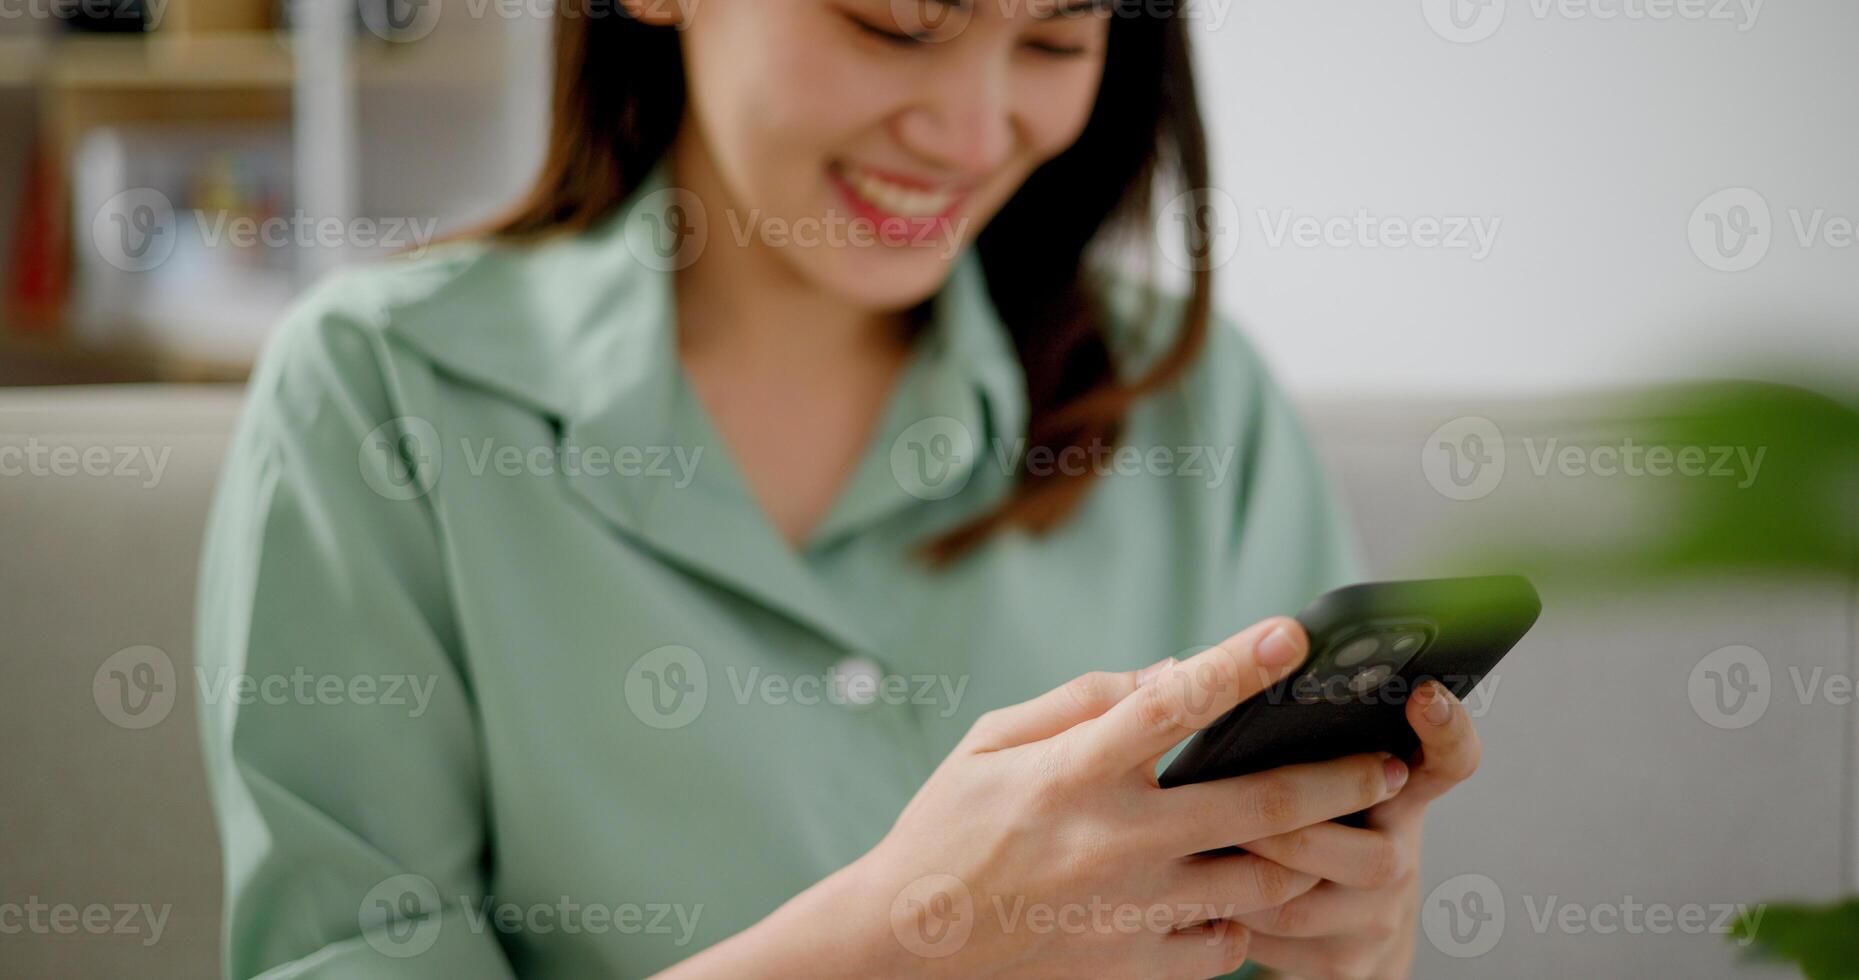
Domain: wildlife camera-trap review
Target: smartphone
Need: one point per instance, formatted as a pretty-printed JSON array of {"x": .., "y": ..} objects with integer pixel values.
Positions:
[{"x": 1371, "y": 645}]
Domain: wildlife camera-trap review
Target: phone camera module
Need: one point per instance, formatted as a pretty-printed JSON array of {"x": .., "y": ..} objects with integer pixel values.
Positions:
[
  {"x": 1307, "y": 689},
  {"x": 1358, "y": 650},
  {"x": 1369, "y": 678}
]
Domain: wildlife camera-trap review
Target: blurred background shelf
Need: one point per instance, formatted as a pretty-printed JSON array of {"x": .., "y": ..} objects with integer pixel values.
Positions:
[
  {"x": 229, "y": 60},
  {"x": 224, "y": 117},
  {"x": 236, "y": 60},
  {"x": 31, "y": 359}
]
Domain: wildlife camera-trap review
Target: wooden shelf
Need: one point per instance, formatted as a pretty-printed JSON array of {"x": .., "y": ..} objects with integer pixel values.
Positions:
[
  {"x": 229, "y": 61},
  {"x": 32, "y": 359},
  {"x": 234, "y": 60},
  {"x": 20, "y": 56}
]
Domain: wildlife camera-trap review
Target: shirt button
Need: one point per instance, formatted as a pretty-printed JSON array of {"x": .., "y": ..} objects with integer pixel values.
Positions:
[{"x": 856, "y": 681}]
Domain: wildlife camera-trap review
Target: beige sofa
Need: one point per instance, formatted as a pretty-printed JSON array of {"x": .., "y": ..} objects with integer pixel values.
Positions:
[{"x": 1606, "y": 793}]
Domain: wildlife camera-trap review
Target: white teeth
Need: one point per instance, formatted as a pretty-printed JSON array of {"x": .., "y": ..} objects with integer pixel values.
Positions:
[{"x": 908, "y": 202}]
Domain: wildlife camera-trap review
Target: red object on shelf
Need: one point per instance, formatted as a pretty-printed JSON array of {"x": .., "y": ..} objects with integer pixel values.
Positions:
[{"x": 39, "y": 273}]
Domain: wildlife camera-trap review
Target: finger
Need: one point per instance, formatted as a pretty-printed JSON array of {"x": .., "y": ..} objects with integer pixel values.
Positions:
[
  {"x": 1449, "y": 752},
  {"x": 1330, "y": 956},
  {"x": 1076, "y": 701},
  {"x": 1351, "y": 856},
  {"x": 1327, "y": 910},
  {"x": 1227, "y": 885},
  {"x": 1227, "y": 812},
  {"x": 1211, "y": 949},
  {"x": 1188, "y": 696}
]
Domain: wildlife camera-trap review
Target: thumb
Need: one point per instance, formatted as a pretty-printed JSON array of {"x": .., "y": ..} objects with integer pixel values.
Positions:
[{"x": 1073, "y": 703}]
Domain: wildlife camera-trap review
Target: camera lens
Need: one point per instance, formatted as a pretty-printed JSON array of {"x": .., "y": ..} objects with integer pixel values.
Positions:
[
  {"x": 1369, "y": 678},
  {"x": 1407, "y": 643},
  {"x": 1357, "y": 650}
]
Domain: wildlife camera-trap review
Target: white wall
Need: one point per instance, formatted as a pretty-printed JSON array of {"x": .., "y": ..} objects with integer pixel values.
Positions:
[{"x": 1591, "y": 140}]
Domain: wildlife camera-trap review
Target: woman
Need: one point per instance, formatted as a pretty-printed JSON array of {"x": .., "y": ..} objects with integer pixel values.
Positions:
[{"x": 765, "y": 525}]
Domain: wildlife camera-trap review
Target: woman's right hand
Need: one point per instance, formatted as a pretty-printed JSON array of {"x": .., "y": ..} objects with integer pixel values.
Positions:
[{"x": 1043, "y": 846}]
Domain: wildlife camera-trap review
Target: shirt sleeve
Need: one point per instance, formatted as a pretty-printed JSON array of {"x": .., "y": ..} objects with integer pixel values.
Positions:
[
  {"x": 1281, "y": 536},
  {"x": 1293, "y": 539},
  {"x": 337, "y": 720}
]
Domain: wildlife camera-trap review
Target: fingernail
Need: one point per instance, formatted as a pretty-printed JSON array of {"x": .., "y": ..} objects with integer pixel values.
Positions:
[
  {"x": 1149, "y": 673},
  {"x": 1397, "y": 774},
  {"x": 1280, "y": 648},
  {"x": 1439, "y": 705}
]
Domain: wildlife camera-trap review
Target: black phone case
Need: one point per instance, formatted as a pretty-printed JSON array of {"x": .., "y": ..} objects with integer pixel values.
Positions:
[{"x": 1471, "y": 622}]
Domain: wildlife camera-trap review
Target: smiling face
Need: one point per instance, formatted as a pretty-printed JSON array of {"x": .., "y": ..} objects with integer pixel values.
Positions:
[{"x": 872, "y": 139}]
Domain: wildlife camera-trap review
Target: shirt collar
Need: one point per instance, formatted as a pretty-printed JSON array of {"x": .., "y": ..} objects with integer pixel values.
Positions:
[{"x": 583, "y": 326}]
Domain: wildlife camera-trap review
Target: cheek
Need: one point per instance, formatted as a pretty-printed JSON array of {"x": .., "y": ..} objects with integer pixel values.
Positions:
[
  {"x": 765, "y": 91},
  {"x": 777, "y": 71},
  {"x": 817, "y": 96},
  {"x": 1054, "y": 108}
]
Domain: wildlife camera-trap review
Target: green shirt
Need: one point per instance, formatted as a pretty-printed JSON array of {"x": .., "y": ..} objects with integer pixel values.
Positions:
[{"x": 523, "y": 681}]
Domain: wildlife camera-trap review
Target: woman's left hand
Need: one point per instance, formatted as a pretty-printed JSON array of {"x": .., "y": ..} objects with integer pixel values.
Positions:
[{"x": 1359, "y": 923}]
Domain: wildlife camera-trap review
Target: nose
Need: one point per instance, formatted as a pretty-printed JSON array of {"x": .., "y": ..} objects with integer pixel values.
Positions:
[{"x": 962, "y": 118}]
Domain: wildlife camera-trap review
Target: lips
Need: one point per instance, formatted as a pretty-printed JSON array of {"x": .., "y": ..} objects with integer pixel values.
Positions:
[{"x": 885, "y": 196}]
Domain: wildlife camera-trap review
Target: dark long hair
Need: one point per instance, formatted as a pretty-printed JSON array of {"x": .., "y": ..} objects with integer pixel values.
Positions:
[{"x": 619, "y": 97}]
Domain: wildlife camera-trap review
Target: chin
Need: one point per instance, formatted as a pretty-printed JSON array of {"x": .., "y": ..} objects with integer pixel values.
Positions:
[{"x": 880, "y": 279}]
